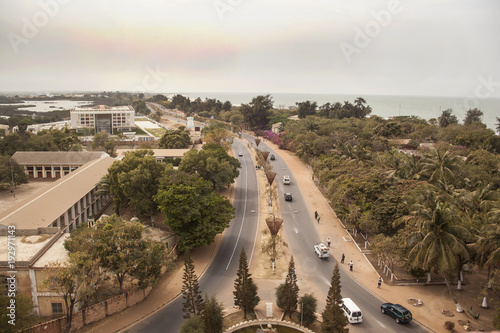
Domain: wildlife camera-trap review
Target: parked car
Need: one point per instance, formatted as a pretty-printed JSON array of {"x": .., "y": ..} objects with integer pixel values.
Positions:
[
  {"x": 288, "y": 196},
  {"x": 286, "y": 180},
  {"x": 396, "y": 311},
  {"x": 272, "y": 157}
]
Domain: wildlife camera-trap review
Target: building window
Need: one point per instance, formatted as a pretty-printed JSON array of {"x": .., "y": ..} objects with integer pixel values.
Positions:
[{"x": 57, "y": 308}]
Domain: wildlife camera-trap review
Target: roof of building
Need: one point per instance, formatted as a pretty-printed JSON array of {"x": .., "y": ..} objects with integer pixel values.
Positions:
[
  {"x": 56, "y": 157},
  {"x": 42, "y": 208},
  {"x": 156, "y": 152},
  {"x": 104, "y": 108},
  {"x": 55, "y": 253}
]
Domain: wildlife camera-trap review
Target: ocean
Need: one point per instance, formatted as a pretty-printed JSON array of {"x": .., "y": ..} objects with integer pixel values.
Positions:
[{"x": 382, "y": 106}]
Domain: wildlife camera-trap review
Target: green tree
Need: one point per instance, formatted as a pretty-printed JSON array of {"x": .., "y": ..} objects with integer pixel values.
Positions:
[
  {"x": 11, "y": 172},
  {"x": 193, "y": 324},
  {"x": 141, "y": 183},
  {"x": 118, "y": 247},
  {"x": 257, "y": 112},
  {"x": 439, "y": 166},
  {"x": 192, "y": 210},
  {"x": 473, "y": 115},
  {"x": 439, "y": 241},
  {"x": 334, "y": 320},
  {"x": 498, "y": 125},
  {"x": 447, "y": 118},
  {"x": 308, "y": 305},
  {"x": 23, "y": 317},
  {"x": 306, "y": 108},
  {"x": 135, "y": 179},
  {"x": 213, "y": 318},
  {"x": 193, "y": 301},
  {"x": 75, "y": 281},
  {"x": 287, "y": 294},
  {"x": 245, "y": 293},
  {"x": 212, "y": 163},
  {"x": 175, "y": 139}
]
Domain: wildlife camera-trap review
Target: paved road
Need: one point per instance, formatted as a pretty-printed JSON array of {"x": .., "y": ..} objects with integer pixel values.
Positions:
[
  {"x": 301, "y": 235},
  {"x": 220, "y": 276}
]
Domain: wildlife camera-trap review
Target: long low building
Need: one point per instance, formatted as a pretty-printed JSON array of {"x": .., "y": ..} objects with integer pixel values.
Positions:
[
  {"x": 70, "y": 201},
  {"x": 53, "y": 164}
]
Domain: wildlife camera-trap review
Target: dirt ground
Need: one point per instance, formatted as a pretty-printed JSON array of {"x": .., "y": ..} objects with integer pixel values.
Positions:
[{"x": 435, "y": 298}]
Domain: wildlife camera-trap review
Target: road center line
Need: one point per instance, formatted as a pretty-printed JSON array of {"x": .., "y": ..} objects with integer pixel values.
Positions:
[{"x": 242, "y": 218}]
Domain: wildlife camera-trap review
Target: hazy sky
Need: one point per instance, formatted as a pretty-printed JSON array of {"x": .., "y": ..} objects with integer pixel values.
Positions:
[{"x": 424, "y": 47}]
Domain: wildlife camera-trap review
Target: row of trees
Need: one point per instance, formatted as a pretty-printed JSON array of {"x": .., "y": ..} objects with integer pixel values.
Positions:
[{"x": 246, "y": 298}]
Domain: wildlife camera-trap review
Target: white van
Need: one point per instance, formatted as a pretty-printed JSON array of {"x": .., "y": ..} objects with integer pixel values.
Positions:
[
  {"x": 351, "y": 311},
  {"x": 286, "y": 180}
]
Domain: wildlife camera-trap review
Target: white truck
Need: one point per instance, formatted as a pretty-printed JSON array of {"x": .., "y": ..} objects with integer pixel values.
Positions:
[{"x": 322, "y": 250}]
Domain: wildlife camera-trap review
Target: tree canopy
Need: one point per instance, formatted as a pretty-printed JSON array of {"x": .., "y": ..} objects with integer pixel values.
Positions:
[
  {"x": 257, "y": 112},
  {"x": 192, "y": 209},
  {"x": 212, "y": 163},
  {"x": 175, "y": 139}
]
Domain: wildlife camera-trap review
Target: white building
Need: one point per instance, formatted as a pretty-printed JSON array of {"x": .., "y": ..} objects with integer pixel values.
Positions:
[{"x": 103, "y": 118}]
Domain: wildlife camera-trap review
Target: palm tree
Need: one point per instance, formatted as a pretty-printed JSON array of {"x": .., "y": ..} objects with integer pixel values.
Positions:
[
  {"x": 440, "y": 166},
  {"x": 439, "y": 241}
]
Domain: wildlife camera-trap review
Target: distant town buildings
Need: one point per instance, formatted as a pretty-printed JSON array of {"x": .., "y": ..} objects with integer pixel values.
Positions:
[{"x": 103, "y": 118}]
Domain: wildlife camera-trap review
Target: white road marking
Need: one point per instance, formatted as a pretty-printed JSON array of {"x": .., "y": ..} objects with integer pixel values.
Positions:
[
  {"x": 378, "y": 322},
  {"x": 242, "y": 220}
]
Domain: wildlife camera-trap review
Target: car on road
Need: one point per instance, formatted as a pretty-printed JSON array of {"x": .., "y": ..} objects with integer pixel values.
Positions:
[
  {"x": 322, "y": 250},
  {"x": 240, "y": 154},
  {"x": 286, "y": 180},
  {"x": 288, "y": 196},
  {"x": 272, "y": 157},
  {"x": 396, "y": 311}
]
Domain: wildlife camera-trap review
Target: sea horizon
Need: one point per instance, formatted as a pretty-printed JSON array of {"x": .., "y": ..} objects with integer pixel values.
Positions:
[{"x": 385, "y": 106}]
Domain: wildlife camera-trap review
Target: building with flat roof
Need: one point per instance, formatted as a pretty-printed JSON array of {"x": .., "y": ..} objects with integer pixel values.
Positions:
[
  {"x": 53, "y": 164},
  {"x": 103, "y": 118}
]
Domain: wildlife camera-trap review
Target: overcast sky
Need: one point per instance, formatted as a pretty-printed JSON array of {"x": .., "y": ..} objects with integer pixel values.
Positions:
[{"x": 424, "y": 47}]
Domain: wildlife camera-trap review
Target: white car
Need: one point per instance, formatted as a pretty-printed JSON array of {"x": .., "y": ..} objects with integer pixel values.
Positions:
[
  {"x": 322, "y": 250},
  {"x": 240, "y": 154},
  {"x": 286, "y": 180}
]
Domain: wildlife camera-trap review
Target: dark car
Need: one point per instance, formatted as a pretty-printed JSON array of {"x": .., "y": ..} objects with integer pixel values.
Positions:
[
  {"x": 288, "y": 196},
  {"x": 396, "y": 311},
  {"x": 272, "y": 157}
]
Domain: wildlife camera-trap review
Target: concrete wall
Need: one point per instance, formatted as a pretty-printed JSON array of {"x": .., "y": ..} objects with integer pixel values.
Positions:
[{"x": 93, "y": 313}]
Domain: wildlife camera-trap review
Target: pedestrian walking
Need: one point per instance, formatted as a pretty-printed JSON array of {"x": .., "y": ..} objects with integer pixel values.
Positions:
[
  {"x": 328, "y": 241},
  {"x": 316, "y": 215},
  {"x": 318, "y": 219},
  {"x": 350, "y": 265},
  {"x": 342, "y": 260},
  {"x": 379, "y": 282}
]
